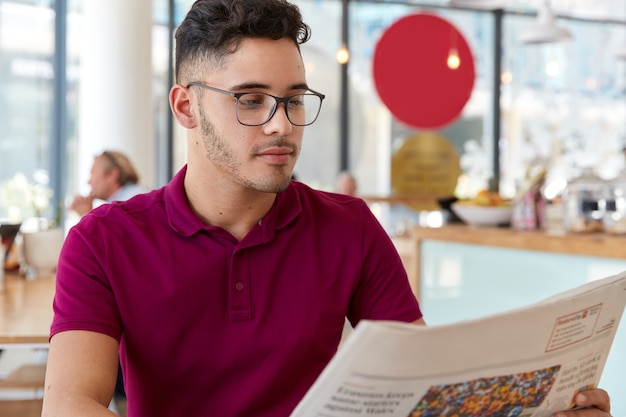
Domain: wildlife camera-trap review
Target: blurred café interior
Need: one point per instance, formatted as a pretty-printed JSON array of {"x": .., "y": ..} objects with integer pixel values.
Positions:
[{"x": 523, "y": 117}]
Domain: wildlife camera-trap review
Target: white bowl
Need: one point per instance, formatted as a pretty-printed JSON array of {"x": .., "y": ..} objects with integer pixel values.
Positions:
[{"x": 483, "y": 215}]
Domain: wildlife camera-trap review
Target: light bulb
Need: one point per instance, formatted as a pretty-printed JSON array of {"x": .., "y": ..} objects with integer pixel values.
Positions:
[
  {"x": 552, "y": 68},
  {"x": 454, "y": 62},
  {"x": 343, "y": 55}
]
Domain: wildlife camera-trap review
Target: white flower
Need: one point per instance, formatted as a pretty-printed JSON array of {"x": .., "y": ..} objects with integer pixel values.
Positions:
[{"x": 21, "y": 199}]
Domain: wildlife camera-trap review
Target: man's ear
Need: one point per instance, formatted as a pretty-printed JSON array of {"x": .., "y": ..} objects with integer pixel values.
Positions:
[
  {"x": 115, "y": 174},
  {"x": 180, "y": 103}
]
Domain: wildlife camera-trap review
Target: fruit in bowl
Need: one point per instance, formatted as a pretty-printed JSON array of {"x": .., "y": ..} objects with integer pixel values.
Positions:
[
  {"x": 487, "y": 208},
  {"x": 486, "y": 198}
]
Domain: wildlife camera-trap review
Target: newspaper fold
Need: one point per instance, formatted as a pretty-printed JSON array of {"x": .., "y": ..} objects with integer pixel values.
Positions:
[{"x": 529, "y": 361}]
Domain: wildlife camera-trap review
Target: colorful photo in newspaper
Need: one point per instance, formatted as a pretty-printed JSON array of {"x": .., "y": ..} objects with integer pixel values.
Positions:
[{"x": 503, "y": 396}]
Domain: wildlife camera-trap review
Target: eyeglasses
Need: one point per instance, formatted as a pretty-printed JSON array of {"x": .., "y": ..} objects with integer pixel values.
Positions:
[{"x": 256, "y": 109}]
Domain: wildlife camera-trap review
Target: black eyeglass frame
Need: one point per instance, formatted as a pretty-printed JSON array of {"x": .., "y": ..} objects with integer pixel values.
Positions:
[{"x": 278, "y": 100}]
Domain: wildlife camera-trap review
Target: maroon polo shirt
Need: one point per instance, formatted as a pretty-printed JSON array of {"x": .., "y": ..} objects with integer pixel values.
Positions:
[{"x": 209, "y": 326}]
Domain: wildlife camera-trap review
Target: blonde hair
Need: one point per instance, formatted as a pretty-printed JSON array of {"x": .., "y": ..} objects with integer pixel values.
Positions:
[{"x": 117, "y": 160}]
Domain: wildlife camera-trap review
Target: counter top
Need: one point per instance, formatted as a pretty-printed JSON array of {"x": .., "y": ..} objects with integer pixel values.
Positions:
[
  {"x": 26, "y": 309},
  {"x": 595, "y": 244}
]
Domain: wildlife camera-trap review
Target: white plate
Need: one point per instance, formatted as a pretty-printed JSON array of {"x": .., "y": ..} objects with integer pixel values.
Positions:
[{"x": 483, "y": 215}]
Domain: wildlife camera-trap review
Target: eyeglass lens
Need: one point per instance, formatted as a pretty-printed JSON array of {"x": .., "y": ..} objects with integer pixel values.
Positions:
[{"x": 258, "y": 108}]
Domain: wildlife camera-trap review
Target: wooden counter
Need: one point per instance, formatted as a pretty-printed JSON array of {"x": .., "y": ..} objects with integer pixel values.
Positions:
[
  {"x": 26, "y": 309},
  {"x": 597, "y": 244}
]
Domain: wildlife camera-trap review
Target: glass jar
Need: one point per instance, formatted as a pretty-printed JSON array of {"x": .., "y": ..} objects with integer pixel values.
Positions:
[
  {"x": 584, "y": 203},
  {"x": 615, "y": 216}
]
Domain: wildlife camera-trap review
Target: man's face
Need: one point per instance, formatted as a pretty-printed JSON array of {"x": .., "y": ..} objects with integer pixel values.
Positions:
[
  {"x": 346, "y": 185},
  {"x": 255, "y": 157},
  {"x": 103, "y": 179}
]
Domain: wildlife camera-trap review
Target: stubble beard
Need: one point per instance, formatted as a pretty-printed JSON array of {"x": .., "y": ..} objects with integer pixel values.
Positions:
[{"x": 220, "y": 153}]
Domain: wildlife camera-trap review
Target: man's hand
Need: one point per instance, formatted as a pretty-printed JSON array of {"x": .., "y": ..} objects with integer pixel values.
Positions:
[
  {"x": 81, "y": 204},
  {"x": 595, "y": 402}
]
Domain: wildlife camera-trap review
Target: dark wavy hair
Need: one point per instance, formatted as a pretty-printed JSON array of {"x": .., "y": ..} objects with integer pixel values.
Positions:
[{"x": 213, "y": 29}]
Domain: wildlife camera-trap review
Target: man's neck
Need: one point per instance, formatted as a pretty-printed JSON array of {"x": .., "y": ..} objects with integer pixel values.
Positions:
[
  {"x": 113, "y": 192},
  {"x": 233, "y": 208}
]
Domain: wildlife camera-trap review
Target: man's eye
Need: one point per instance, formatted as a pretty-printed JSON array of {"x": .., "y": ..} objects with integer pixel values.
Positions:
[
  {"x": 252, "y": 100},
  {"x": 297, "y": 101}
]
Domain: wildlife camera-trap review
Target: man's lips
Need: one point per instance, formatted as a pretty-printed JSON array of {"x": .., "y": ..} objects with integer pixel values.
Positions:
[{"x": 276, "y": 155}]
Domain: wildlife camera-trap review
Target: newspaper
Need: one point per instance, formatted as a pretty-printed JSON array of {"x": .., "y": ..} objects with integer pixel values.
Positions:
[{"x": 529, "y": 361}]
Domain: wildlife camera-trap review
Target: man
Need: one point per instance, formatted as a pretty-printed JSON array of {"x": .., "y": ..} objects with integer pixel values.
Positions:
[
  {"x": 346, "y": 183},
  {"x": 226, "y": 290},
  {"x": 113, "y": 178}
]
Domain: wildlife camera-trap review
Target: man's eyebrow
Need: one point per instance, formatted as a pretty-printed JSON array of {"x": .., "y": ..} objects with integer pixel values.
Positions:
[
  {"x": 303, "y": 86},
  {"x": 251, "y": 85},
  {"x": 247, "y": 86}
]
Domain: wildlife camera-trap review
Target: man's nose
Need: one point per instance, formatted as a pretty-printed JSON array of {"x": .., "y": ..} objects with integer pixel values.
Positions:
[{"x": 279, "y": 122}]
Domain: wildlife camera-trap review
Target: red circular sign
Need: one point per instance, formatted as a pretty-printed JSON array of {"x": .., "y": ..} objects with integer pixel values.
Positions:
[{"x": 416, "y": 74}]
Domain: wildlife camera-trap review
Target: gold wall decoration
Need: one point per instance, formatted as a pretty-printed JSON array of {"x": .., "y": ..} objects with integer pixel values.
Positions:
[{"x": 426, "y": 167}]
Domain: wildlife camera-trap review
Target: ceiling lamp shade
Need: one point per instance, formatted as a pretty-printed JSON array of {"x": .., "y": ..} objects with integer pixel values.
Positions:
[
  {"x": 545, "y": 30},
  {"x": 479, "y": 4}
]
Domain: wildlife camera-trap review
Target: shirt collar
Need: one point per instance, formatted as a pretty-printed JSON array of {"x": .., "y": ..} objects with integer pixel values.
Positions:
[{"x": 184, "y": 221}]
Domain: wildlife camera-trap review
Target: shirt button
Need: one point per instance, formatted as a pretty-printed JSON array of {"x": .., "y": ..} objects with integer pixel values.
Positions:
[{"x": 239, "y": 286}]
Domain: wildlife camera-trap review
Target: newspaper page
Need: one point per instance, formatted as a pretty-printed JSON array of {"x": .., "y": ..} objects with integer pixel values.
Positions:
[{"x": 525, "y": 362}]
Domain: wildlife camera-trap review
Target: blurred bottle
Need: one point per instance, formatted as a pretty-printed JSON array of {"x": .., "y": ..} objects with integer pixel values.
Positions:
[
  {"x": 615, "y": 217},
  {"x": 584, "y": 203},
  {"x": 528, "y": 204}
]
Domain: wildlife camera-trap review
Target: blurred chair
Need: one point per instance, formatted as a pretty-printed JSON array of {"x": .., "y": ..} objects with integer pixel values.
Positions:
[{"x": 21, "y": 392}]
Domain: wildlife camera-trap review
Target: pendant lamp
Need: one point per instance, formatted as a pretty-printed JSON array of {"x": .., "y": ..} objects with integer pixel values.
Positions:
[
  {"x": 545, "y": 29},
  {"x": 479, "y": 4}
]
